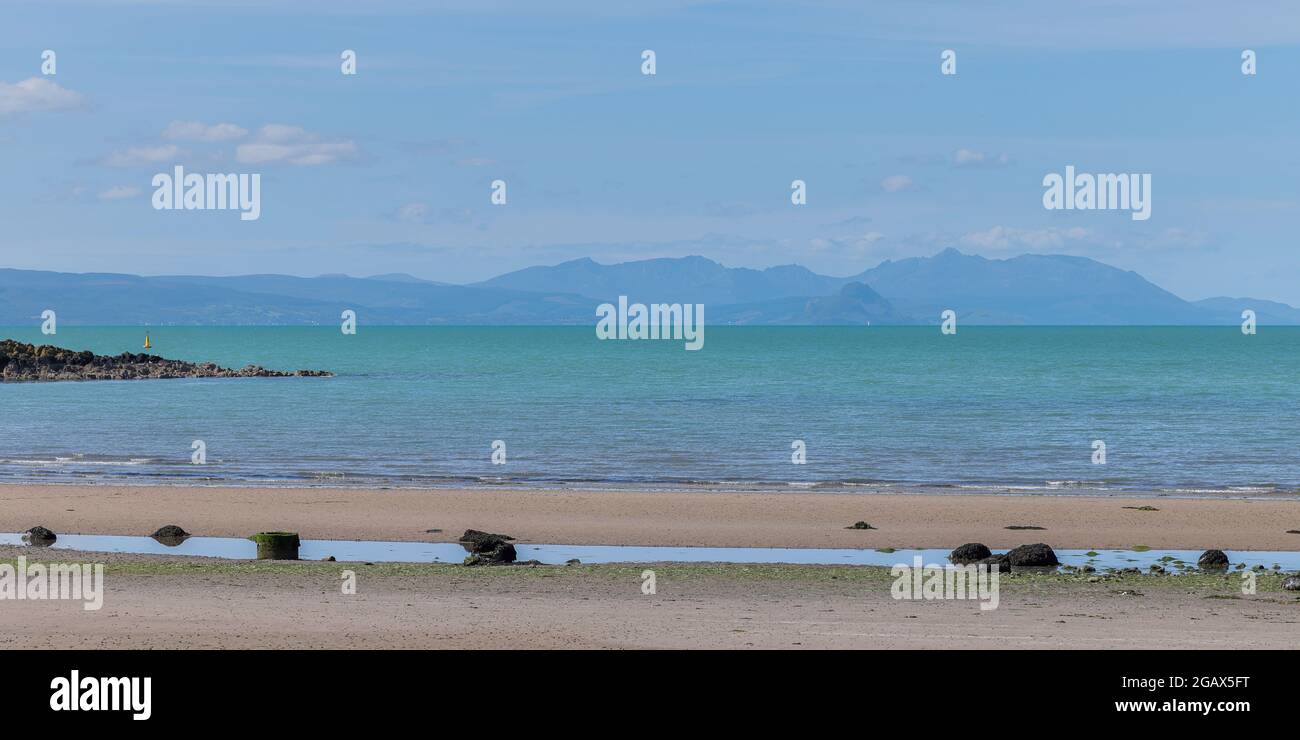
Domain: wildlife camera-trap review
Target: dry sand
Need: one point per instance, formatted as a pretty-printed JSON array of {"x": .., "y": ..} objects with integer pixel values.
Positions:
[{"x": 661, "y": 518}]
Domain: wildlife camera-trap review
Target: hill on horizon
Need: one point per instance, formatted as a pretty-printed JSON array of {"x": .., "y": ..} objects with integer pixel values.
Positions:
[{"x": 1029, "y": 289}]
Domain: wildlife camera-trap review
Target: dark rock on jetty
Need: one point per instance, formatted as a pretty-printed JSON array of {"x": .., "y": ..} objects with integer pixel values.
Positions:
[
  {"x": 23, "y": 362},
  {"x": 1213, "y": 559},
  {"x": 487, "y": 548},
  {"x": 39, "y": 536},
  {"x": 969, "y": 553},
  {"x": 1037, "y": 555}
]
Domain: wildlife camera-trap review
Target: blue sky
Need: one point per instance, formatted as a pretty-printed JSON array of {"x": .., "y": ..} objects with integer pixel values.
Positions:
[{"x": 390, "y": 170}]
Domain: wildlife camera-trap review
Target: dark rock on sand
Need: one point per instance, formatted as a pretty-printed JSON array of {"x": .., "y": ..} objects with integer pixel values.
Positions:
[
  {"x": 1000, "y": 563},
  {"x": 482, "y": 541},
  {"x": 1292, "y": 583},
  {"x": 1023, "y": 526},
  {"x": 329, "y": 559},
  {"x": 503, "y": 554},
  {"x": 860, "y": 525},
  {"x": 39, "y": 536},
  {"x": 1213, "y": 559},
  {"x": 573, "y": 561},
  {"x": 487, "y": 548},
  {"x": 28, "y": 362},
  {"x": 170, "y": 532},
  {"x": 969, "y": 553},
  {"x": 1037, "y": 555}
]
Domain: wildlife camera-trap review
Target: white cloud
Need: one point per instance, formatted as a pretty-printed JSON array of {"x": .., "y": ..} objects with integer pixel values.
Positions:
[
  {"x": 969, "y": 158},
  {"x": 119, "y": 192},
  {"x": 198, "y": 131},
  {"x": 897, "y": 184},
  {"x": 1003, "y": 237},
  {"x": 142, "y": 155},
  {"x": 413, "y": 212},
  {"x": 36, "y": 94},
  {"x": 280, "y": 144},
  {"x": 423, "y": 213}
]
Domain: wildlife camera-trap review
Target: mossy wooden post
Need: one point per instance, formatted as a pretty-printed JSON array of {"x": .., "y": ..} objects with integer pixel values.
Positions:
[{"x": 276, "y": 545}]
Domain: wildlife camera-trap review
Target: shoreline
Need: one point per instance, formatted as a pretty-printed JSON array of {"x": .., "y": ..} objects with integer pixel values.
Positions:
[
  {"x": 795, "y": 519},
  {"x": 1232, "y": 493}
]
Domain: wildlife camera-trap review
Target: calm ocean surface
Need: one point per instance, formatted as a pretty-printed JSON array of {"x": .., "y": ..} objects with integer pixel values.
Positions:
[{"x": 1182, "y": 410}]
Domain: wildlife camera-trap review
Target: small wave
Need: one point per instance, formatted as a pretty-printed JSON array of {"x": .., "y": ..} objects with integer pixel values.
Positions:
[{"x": 58, "y": 460}]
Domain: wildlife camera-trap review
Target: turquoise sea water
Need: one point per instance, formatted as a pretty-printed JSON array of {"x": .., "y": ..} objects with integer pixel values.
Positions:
[{"x": 1180, "y": 409}]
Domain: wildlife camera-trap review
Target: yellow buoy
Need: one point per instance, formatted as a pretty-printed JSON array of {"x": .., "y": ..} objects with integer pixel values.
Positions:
[{"x": 146, "y": 342}]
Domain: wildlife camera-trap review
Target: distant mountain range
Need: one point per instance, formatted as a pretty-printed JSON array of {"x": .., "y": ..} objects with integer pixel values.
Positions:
[{"x": 1029, "y": 289}]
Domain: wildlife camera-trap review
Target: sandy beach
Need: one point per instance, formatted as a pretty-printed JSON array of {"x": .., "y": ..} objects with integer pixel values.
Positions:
[
  {"x": 168, "y": 601},
  {"x": 661, "y": 518}
]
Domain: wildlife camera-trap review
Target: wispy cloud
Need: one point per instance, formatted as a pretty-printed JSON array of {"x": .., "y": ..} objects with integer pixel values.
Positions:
[
  {"x": 972, "y": 159},
  {"x": 36, "y": 94},
  {"x": 140, "y": 156},
  {"x": 897, "y": 184},
  {"x": 280, "y": 144},
  {"x": 197, "y": 131},
  {"x": 423, "y": 213},
  {"x": 119, "y": 192},
  {"x": 1003, "y": 237}
]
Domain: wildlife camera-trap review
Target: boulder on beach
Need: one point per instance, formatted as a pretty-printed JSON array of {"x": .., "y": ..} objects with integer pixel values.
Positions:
[
  {"x": 487, "y": 548},
  {"x": 477, "y": 541},
  {"x": 39, "y": 536},
  {"x": 1213, "y": 559},
  {"x": 969, "y": 553},
  {"x": 1292, "y": 583},
  {"x": 170, "y": 535},
  {"x": 502, "y": 554},
  {"x": 1000, "y": 563},
  {"x": 1037, "y": 555}
]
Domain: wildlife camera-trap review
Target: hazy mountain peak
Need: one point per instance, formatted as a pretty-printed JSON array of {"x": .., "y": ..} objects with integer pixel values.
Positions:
[{"x": 1025, "y": 289}]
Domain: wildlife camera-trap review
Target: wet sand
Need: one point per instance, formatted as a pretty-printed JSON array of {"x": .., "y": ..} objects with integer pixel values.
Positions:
[
  {"x": 661, "y": 518},
  {"x": 176, "y": 603}
]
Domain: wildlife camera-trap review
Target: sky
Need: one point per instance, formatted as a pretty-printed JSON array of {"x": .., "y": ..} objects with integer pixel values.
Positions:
[{"x": 391, "y": 169}]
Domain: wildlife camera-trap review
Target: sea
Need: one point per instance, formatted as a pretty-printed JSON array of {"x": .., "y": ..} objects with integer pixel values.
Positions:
[{"x": 1180, "y": 411}]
